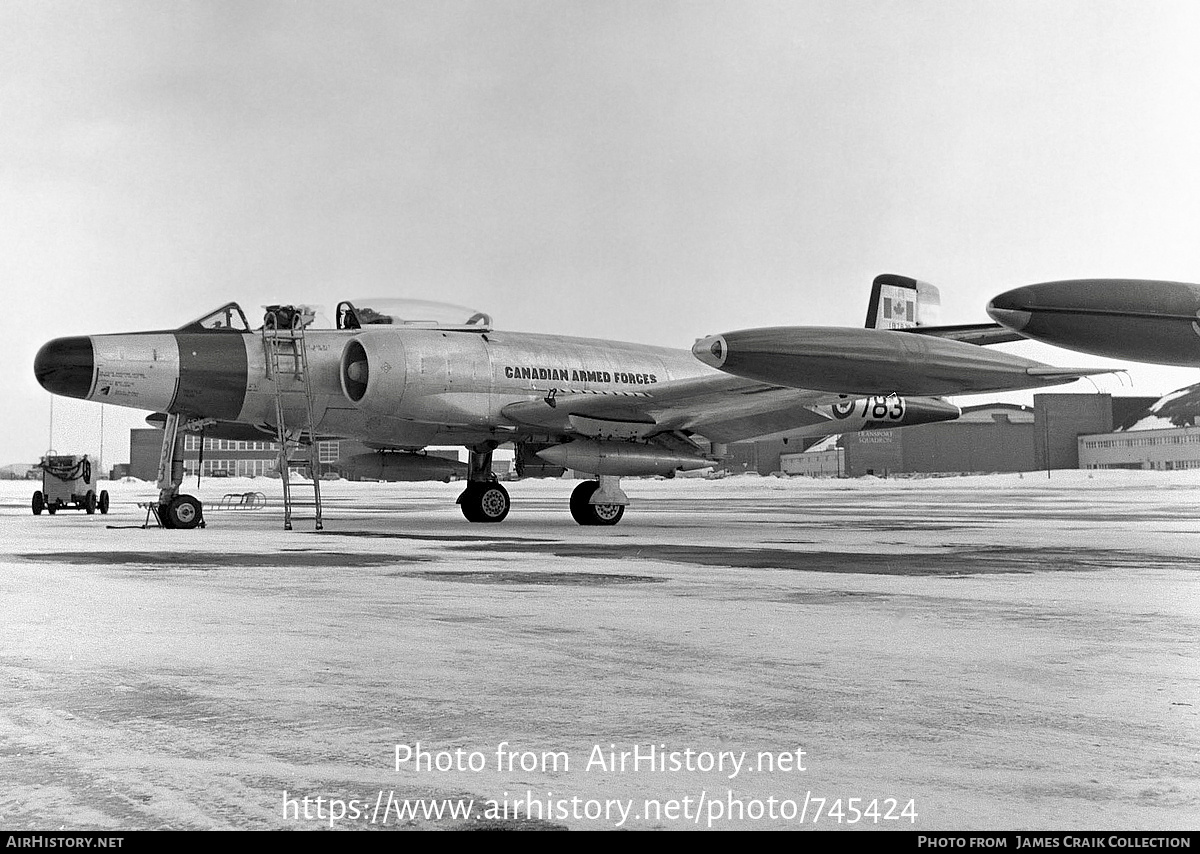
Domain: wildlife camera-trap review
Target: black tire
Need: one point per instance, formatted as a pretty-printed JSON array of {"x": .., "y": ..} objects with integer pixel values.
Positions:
[
  {"x": 485, "y": 502},
  {"x": 102, "y": 505},
  {"x": 51, "y": 508},
  {"x": 89, "y": 503},
  {"x": 593, "y": 514},
  {"x": 184, "y": 513},
  {"x": 39, "y": 503},
  {"x": 466, "y": 503}
]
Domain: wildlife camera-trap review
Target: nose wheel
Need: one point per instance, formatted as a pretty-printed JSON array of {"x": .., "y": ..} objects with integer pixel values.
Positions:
[
  {"x": 484, "y": 502},
  {"x": 183, "y": 512}
]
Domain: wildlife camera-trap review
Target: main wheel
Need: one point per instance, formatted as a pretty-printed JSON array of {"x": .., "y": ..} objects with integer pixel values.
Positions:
[
  {"x": 484, "y": 502},
  {"x": 593, "y": 514},
  {"x": 102, "y": 505},
  {"x": 183, "y": 512},
  {"x": 89, "y": 503},
  {"x": 39, "y": 503},
  {"x": 51, "y": 508}
]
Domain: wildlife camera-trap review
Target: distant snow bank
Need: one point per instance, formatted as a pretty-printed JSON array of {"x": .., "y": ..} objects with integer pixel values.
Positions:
[{"x": 211, "y": 490}]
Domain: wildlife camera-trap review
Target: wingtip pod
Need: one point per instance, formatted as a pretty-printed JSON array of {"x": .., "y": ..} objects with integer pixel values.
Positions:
[
  {"x": 874, "y": 361},
  {"x": 1144, "y": 320},
  {"x": 710, "y": 350}
]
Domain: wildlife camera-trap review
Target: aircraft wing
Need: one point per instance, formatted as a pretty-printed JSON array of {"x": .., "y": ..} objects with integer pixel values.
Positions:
[{"x": 720, "y": 408}]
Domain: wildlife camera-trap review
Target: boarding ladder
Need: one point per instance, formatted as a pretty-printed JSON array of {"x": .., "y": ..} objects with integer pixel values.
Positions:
[{"x": 287, "y": 368}]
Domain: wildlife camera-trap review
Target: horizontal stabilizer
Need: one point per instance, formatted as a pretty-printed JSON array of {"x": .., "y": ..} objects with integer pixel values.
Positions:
[
  {"x": 971, "y": 333},
  {"x": 1067, "y": 374}
]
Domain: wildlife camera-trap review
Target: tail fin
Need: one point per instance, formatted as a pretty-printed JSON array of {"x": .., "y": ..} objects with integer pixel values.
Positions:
[{"x": 898, "y": 302}]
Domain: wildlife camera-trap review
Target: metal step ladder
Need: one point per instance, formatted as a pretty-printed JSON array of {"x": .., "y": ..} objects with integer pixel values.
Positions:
[{"x": 287, "y": 367}]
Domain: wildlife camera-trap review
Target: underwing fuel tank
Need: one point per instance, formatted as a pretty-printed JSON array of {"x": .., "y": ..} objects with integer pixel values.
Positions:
[
  {"x": 874, "y": 361},
  {"x": 1140, "y": 319},
  {"x": 406, "y": 466},
  {"x": 626, "y": 459}
]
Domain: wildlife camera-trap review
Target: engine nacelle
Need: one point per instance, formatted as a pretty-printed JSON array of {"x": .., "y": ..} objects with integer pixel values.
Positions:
[
  {"x": 374, "y": 372},
  {"x": 621, "y": 458}
]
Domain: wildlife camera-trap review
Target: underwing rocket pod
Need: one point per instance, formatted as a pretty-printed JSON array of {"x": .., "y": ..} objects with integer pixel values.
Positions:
[
  {"x": 1139, "y": 319},
  {"x": 621, "y": 457},
  {"x": 874, "y": 361}
]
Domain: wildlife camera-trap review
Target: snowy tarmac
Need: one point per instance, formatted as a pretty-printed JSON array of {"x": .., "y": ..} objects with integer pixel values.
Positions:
[{"x": 995, "y": 652}]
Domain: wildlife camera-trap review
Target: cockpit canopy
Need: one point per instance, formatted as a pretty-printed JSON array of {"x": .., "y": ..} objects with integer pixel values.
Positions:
[
  {"x": 411, "y": 312},
  {"x": 227, "y": 318},
  {"x": 359, "y": 314}
]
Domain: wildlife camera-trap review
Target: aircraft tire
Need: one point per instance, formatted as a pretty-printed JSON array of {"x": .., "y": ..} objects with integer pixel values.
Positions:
[
  {"x": 184, "y": 512},
  {"x": 89, "y": 503},
  {"x": 39, "y": 503},
  {"x": 466, "y": 503},
  {"x": 485, "y": 502},
  {"x": 51, "y": 508},
  {"x": 102, "y": 504},
  {"x": 593, "y": 514}
]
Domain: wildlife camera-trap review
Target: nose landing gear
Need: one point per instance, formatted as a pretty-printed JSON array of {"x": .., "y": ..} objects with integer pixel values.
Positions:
[{"x": 174, "y": 510}]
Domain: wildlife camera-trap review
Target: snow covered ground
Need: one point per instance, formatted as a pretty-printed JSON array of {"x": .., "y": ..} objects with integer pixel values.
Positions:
[{"x": 997, "y": 652}]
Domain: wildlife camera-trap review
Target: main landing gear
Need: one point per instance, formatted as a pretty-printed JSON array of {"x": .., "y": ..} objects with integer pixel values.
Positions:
[
  {"x": 593, "y": 502},
  {"x": 484, "y": 500},
  {"x": 589, "y": 502}
]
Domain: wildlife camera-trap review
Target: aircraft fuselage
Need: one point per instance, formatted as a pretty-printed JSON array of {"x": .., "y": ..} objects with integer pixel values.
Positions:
[{"x": 423, "y": 386}]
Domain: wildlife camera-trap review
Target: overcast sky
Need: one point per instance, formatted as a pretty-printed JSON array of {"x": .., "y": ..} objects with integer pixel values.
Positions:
[{"x": 645, "y": 171}]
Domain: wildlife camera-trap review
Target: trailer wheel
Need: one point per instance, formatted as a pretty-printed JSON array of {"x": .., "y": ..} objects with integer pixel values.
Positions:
[
  {"x": 39, "y": 503},
  {"x": 102, "y": 505},
  {"x": 89, "y": 503}
]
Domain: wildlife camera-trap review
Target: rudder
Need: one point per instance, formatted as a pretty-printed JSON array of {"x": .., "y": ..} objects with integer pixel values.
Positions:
[{"x": 899, "y": 302}]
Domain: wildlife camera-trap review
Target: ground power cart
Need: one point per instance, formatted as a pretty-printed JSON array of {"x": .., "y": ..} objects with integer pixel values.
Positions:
[{"x": 67, "y": 482}]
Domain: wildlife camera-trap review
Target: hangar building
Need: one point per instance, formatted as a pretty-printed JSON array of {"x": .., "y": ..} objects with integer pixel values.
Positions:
[
  {"x": 1164, "y": 437},
  {"x": 995, "y": 437}
]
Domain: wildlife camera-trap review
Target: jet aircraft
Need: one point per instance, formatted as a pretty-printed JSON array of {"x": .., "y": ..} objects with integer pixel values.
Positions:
[{"x": 396, "y": 375}]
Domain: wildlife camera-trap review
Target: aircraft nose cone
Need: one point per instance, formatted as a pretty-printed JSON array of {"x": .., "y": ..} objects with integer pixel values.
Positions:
[
  {"x": 66, "y": 366},
  {"x": 711, "y": 350},
  {"x": 1011, "y": 309}
]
